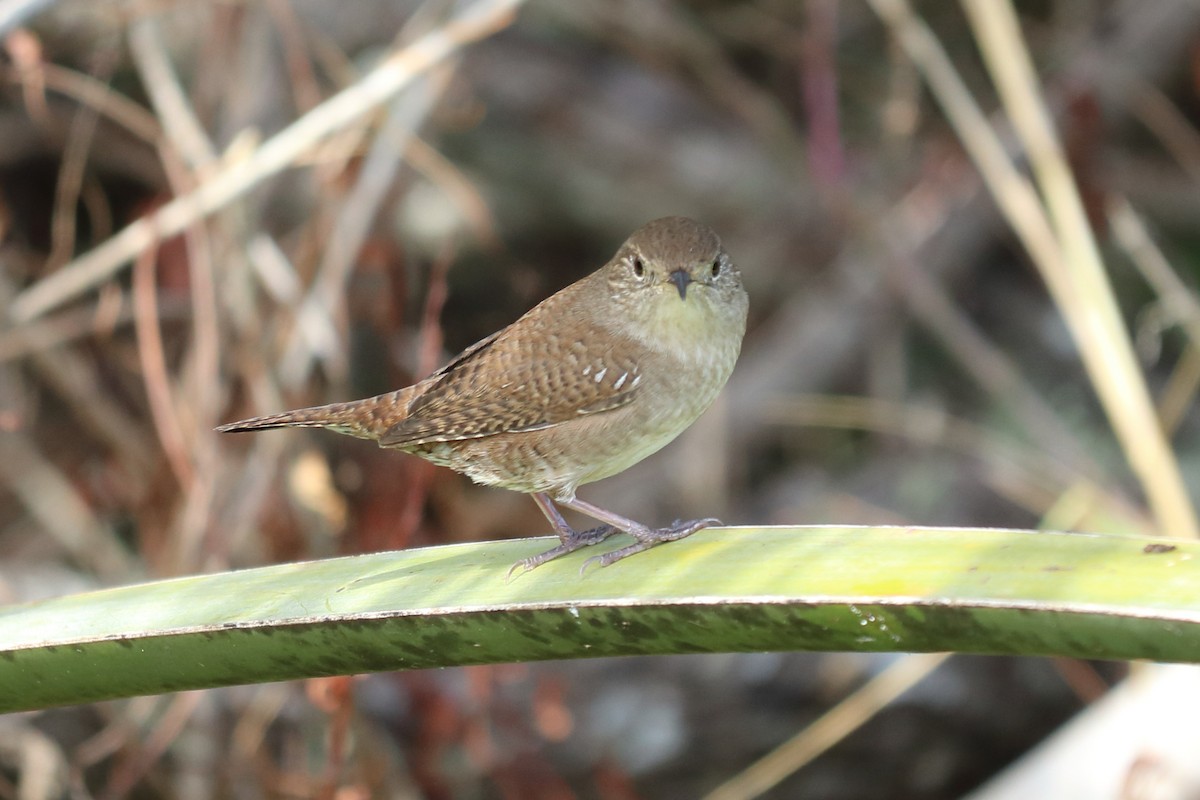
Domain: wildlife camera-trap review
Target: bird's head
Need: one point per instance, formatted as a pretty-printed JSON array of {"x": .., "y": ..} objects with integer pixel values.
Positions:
[{"x": 673, "y": 282}]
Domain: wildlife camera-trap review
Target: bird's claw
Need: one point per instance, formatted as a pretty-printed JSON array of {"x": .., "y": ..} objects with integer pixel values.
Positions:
[
  {"x": 648, "y": 538},
  {"x": 567, "y": 544}
]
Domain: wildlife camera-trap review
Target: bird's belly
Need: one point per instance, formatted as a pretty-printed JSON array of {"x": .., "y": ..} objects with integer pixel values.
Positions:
[{"x": 576, "y": 452}]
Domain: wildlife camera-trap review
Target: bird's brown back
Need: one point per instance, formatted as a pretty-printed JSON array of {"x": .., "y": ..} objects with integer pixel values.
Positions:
[{"x": 534, "y": 374}]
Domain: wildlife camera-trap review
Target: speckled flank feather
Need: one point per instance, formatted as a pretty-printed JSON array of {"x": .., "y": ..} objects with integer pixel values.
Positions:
[{"x": 539, "y": 372}]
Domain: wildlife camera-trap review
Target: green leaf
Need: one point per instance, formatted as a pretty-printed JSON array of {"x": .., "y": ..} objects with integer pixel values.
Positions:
[{"x": 743, "y": 589}]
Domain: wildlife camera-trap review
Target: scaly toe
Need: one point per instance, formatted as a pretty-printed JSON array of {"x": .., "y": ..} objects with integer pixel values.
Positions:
[
  {"x": 606, "y": 559},
  {"x": 567, "y": 544},
  {"x": 649, "y": 537},
  {"x": 676, "y": 531}
]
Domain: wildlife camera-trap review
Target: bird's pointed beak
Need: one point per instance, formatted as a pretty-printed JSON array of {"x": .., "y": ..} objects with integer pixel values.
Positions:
[{"x": 681, "y": 279}]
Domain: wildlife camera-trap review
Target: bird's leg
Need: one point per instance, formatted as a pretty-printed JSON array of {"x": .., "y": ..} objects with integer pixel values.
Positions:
[
  {"x": 570, "y": 539},
  {"x": 646, "y": 537}
]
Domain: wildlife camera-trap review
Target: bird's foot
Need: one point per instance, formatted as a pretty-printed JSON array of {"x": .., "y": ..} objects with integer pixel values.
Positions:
[
  {"x": 649, "y": 537},
  {"x": 569, "y": 542}
]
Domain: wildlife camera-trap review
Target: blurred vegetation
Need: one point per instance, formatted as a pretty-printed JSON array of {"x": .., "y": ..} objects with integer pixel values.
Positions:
[{"x": 906, "y": 360}]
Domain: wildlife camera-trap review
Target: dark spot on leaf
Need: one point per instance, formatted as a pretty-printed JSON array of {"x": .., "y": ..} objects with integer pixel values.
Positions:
[{"x": 1154, "y": 548}]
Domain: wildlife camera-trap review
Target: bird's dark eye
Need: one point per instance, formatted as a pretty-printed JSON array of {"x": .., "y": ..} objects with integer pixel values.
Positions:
[
  {"x": 716, "y": 267},
  {"x": 639, "y": 268}
]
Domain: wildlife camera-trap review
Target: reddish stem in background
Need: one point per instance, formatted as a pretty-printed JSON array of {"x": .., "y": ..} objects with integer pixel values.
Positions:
[
  {"x": 818, "y": 80},
  {"x": 154, "y": 367}
]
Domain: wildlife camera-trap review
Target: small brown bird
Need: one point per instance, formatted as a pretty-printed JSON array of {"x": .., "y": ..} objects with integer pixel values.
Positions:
[{"x": 586, "y": 384}]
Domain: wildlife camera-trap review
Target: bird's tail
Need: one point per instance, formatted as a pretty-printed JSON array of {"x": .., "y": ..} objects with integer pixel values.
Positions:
[{"x": 365, "y": 419}]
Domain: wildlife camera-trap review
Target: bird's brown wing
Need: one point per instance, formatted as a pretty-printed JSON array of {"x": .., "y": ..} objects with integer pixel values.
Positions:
[{"x": 520, "y": 380}]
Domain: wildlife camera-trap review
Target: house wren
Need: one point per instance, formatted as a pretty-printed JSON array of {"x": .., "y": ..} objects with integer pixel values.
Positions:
[{"x": 587, "y": 383}]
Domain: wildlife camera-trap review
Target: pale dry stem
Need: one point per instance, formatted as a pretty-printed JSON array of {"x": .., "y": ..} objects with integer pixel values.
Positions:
[
  {"x": 830, "y": 728},
  {"x": 234, "y": 180},
  {"x": 1080, "y": 286},
  {"x": 1055, "y": 234}
]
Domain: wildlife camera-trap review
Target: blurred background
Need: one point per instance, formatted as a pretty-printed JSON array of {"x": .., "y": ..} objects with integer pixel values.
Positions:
[{"x": 904, "y": 363}]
